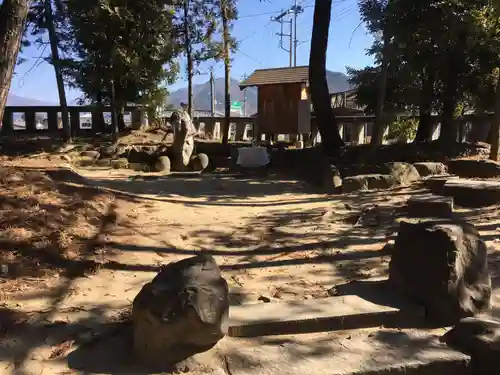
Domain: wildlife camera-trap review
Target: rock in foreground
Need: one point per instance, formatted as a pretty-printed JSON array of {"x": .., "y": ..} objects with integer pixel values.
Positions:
[
  {"x": 183, "y": 311},
  {"x": 442, "y": 263},
  {"x": 479, "y": 337}
]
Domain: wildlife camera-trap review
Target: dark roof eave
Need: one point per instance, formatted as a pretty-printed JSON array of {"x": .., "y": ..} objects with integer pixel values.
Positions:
[{"x": 244, "y": 86}]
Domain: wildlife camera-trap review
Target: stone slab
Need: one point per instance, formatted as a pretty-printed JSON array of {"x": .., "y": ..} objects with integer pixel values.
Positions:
[
  {"x": 473, "y": 193},
  {"x": 430, "y": 168},
  {"x": 368, "y": 182},
  {"x": 436, "y": 183},
  {"x": 387, "y": 352},
  {"x": 429, "y": 205},
  {"x": 315, "y": 315}
]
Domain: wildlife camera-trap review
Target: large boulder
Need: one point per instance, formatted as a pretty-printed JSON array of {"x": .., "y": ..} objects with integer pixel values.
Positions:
[
  {"x": 200, "y": 162},
  {"x": 442, "y": 263},
  {"x": 430, "y": 168},
  {"x": 162, "y": 164},
  {"x": 474, "y": 168},
  {"x": 368, "y": 182},
  {"x": 183, "y": 311},
  {"x": 403, "y": 173},
  {"x": 479, "y": 337},
  {"x": 140, "y": 156}
]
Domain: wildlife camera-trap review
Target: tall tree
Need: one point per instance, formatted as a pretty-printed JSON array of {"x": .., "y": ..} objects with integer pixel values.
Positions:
[
  {"x": 320, "y": 97},
  {"x": 228, "y": 13},
  {"x": 13, "y": 14},
  {"x": 132, "y": 45},
  {"x": 54, "y": 47},
  {"x": 198, "y": 23}
]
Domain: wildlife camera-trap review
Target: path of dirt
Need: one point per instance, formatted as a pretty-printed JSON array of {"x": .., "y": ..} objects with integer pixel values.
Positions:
[{"x": 272, "y": 238}]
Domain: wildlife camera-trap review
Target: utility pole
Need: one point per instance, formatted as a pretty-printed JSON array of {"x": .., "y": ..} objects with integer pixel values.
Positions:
[
  {"x": 245, "y": 97},
  {"x": 295, "y": 41},
  {"x": 212, "y": 92},
  {"x": 281, "y": 34},
  {"x": 295, "y": 9}
]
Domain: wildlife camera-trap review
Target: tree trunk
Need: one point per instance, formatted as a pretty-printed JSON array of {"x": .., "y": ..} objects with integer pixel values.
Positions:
[
  {"x": 57, "y": 68},
  {"x": 379, "y": 124},
  {"x": 320, "y": 97},
  {"x": 425, "y": 124},
  {"x": 13, "y": 15},
  {"x": 114, "y": 114},
  {"x": 227, "y": 73},
  {"x": 495, "y": 126},
  {"x": 101, "y": 125},
  {"x": 449, "y": 125},
  {"x": 189, "y": 58}
]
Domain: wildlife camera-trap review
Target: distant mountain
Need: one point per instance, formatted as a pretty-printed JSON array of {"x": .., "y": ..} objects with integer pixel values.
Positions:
[
  {"x": 19, "y": 101},
  {"x": 337, "y": 82}
]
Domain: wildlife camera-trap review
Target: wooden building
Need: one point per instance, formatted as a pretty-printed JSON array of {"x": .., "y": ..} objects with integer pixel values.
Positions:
[{"x": 284, "y": 105}]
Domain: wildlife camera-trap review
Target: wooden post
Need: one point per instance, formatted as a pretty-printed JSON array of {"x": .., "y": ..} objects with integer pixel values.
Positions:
[
  {"x": 52, "y": 120},
  {"x": 74, "y": 120},
  {"x": 7, "y": 121},
  {"x": 29, "y": 120}
]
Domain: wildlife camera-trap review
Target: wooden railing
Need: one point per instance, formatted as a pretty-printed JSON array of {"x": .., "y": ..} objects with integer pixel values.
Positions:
[
  {"x": 85, "y": 121},
  {"x": 47, "y": 119}
]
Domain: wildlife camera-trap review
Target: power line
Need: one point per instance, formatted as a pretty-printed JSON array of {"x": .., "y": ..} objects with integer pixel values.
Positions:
[
  {"x": 249, "y": 57},
  {"x": 258, "y": 14},
  {"x": 256, "y": 32},
  {"x": 269, "y": 13}
]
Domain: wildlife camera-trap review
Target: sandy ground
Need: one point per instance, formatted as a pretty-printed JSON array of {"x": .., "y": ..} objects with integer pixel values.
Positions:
[{"x": 272, "y": 238}]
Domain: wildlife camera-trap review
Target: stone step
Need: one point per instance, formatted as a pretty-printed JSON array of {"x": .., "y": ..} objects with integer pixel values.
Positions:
[
  {"x": 429, "y": 205},
  {"x": 473, "y": 193},
  {"x": 315, "y": 315},
  {"x": 388, "y": 352},
  {"x": 436, "y": 183}
]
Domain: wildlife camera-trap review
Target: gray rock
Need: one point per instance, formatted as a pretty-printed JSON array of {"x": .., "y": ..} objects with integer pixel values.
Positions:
[
  {"x": 67, "y": 158},
  {"x": 404, "y": 173},
  {"x": 120, "y": 163},
  {"x": 430, "y": 206},
  {"x": 474, "y": 168},
  {"x": 162, "y": 164},
  {"x": 183, "y": 144},
  {"x": 479, "y": 337},
  {"x": 182, "y": 311},
  {"x": 430, "y": 168},
  {"x": 103, "y": 162},
  {"x": 442, "y": 263},
  {"x": 331, "y": 177},
  {"x": 91, "y": 154},
  {"x": 200, "y": 162},
  {"x": 368, "y": 182},
  {"x": 85, "y": 161},
  {"x": 140, "y": 156},
  {"x": 139, "y": 167},
  {"x": 108, "y": 151}
]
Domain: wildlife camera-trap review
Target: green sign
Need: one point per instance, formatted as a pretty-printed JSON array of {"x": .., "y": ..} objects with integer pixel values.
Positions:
[{"x": 236, "y": 107}]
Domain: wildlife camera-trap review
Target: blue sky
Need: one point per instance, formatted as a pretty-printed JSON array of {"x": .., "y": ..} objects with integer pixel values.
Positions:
[{"x": 258, "y": 48}]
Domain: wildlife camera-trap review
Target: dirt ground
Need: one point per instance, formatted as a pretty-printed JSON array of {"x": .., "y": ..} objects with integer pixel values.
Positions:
[{"x": 274, "y": 239}]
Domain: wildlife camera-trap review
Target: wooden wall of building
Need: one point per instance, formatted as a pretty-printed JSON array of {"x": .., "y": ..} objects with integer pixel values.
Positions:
[{"x": 278, "y": 108}]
